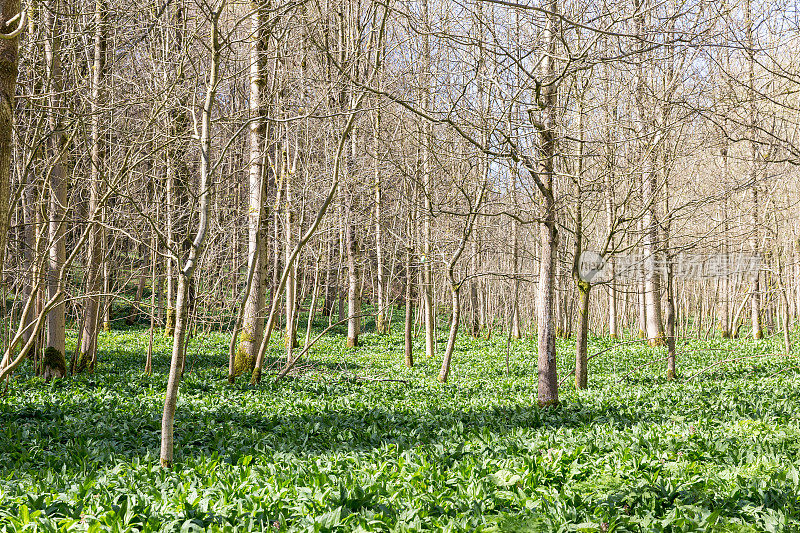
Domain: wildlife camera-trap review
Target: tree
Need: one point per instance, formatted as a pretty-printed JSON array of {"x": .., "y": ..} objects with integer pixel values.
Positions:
[
  {"x": 54, "y": 354},
  {"x": 190, "y": 261},
  {"x": 12, "y": 25},
  {"x": 85, "y": 359},
  {"x": 253, "y": 327}
]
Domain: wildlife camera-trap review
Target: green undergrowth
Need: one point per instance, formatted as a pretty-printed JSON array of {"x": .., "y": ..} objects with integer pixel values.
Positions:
[{"x": 327, "y": 450}]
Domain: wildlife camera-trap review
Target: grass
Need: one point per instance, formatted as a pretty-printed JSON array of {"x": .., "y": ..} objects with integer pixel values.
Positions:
[{"x": 324, "y": 451}]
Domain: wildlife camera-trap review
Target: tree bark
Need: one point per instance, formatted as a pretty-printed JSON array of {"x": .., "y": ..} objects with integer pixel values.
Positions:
[
  {"x": 353, "y": 288},
  {"x": 755, "y": 294},
  {"x": 94, "y": 247},
  {"x": 427, "y": 191},
  {"x": 582, "y": 338},
  {"x": 54, "y": 356},
  {"x": 475, "y": 322},
  {"x": 253, "y": 319},
  {"x": 408, "y": 326},
  {"x": 182, "y": 303},
  {"x": 548, "y": 373},
  {"x": 381, "y": 326},
  {"x": 444, "y": 371},
  {"x": 9, "y": 63}
]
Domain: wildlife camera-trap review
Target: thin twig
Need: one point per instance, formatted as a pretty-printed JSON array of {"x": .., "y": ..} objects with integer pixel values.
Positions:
[{"x": 734, "y": 359}]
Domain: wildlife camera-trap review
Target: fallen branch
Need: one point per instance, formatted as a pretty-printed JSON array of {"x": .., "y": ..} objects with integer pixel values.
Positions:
[
  {"x": 659, "y": 360},
  {"x": 290, "y": 364},
  {"x": 734, "y": 359},
  {"x": 616, "y": 345},
  {"x": 782, "y": 370},
  {"x": 366, "y": 378}
]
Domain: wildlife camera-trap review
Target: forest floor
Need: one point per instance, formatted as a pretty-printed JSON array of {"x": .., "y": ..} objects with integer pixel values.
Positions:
[{"x": 328, "y": 451}]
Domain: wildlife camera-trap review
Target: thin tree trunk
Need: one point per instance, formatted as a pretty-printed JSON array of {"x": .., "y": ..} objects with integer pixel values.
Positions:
[
  {"x": 548, "y": 372},
  {"x": 613, "y": 328},
  {"x": 353, "y": 292},
  {"x": 475, "y": 322},
  {"x": 455, "y": 286},
  {"x": 787, "y": 341},
  {"x": 724, "y": 313},
  {"x": 93, "y": 280},
  {"x": 313, "y": 308},
  {"x": 253, "y": 318},
  {"x": 427, "y": 191},
  {"x": 584, "y": 288},
  {"x": 670, "y": 318},
  {"x": 444, "y": 372},
  {"x": 194, "y": 254},
  {"x": 31, "y": 263},
  {"x": 408, "y": 326},
  {"x": 54, "y": 356},
  {"x": 382, "y": 282},
  {"x": 291, "y": 282},
  {"x": 755, "y": 295},
  {"x": 148, "y": 365}
]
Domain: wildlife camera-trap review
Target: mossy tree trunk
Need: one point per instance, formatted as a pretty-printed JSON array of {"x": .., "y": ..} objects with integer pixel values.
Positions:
[
  {"x": 582, "y": 337},
  {"x": 584, "y": 287},
  {"x": 54, "y": 360},
  {"x": 253, "y": 319}
]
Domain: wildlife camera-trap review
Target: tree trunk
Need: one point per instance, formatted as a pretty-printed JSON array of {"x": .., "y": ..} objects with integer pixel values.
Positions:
[
  {"x": 613, "y": 327},
  {"x": 548, "y": 377},
  {"x": 444, "y": 372},
  {"x": 31, "y": 264},
  {"x": 382, "y": 284},
  {"x": 548, "y": 372},
  {"x": 94, "y": 248},
  {"x": 582, "y": 338},
  {"x": 175, "y": 371},
  {"x": 195, "y": 251},
  {"x": 9, "y": 60},
  {"x": 54, "y": 357},
  {"x": 641, "y": 305},
  {"x": 427, "y": 192},
  {"x": 353, "y": 292},
  {"x": 408, "y": 326},
  {"x": 291, "y": 282},
  {"x": 787, "y": 341},
  {"x": 755, "y": 295},
  {"x": 313, "y": 308},
  {"x": 148, "y": 365},
  {"x": 516, "y": 331},
  {"x": 671, "y": 372},
  {"x": 330, "y": 294},
  {"x": 724, "y": 285},
  {"x": 475, "y": 322},
  {"x": 253, "y": 319}
]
